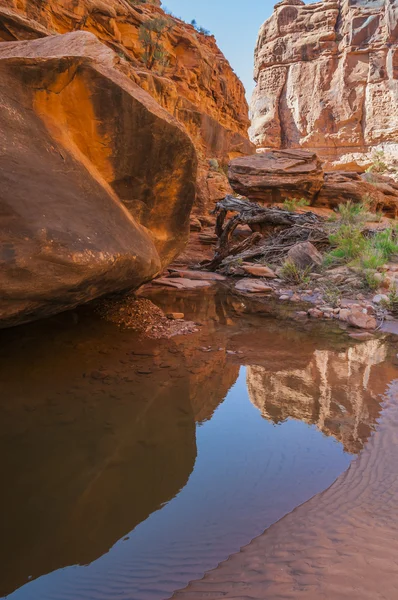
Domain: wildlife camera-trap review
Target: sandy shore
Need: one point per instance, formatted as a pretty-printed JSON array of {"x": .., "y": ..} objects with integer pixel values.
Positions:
[{"x": 341, "y": 545}]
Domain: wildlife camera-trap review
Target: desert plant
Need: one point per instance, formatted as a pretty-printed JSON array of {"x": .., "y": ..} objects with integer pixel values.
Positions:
[
  {"x": 379, "y": 164},
  {"x": 293, "y": 204},
  {"x": 385, "y": 242},
  {"x": 291, "y": 273},
  {"x": 353, "y": 213},
  {"x": 348, "y": 243},
  {"x": 150, "y": 35}
]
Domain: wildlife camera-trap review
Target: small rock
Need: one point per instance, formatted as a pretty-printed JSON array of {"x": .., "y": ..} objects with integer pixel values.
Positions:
[
  {"x": 144, "y": 371},
  {"x": 295, "y": 298},
  {"x": 196, "y": 275},
  {"x": 175, "y": 316},
  {"x": 253, "y": 286},
  {"x": 284, "y": 297},
  {"x": 181, "y": 283},
  {"x": 195, "y": 224},
  {"x": 379, "y": 298},
  {"x": 344, "y": 314},
  {"x": 315, "y": 313},
  {"x": 328, "y": 309},
  {"x": 361, "y": 319},
  {"x": 259, "y": 271},
  {"x": 304, "y": 254}
]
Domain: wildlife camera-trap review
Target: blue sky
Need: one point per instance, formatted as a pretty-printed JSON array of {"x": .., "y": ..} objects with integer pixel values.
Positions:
[{"x": 235, "y": 25}]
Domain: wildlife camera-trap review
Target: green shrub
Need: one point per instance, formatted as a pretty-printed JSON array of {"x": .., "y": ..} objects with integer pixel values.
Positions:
[
  {"x": 348, "y": 243},
  {"x": 379, "y": 163},
  {"x": 150, "y": 35},
  {"x": 293, "y": 204},
  {"x": 353, "y": 213},
  {"x": 385, "y": 242},
  {"x": 293, "y": 274}
]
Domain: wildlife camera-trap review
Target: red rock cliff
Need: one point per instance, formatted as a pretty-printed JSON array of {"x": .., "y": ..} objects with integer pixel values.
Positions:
[
  {"x": 193, "y": 80},
  {"x": 327, "y": 78}
]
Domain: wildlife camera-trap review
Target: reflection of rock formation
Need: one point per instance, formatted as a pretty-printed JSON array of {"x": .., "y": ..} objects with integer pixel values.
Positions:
[
  {"x": 334, "y": 391},
  {"x": 90, "y": 445}
]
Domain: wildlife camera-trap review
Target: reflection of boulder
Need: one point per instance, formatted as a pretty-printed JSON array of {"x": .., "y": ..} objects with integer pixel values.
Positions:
[
  {"x": 334, "y": 391},
  {"x": 91, "y": 444},
  {"x": 90, "y": 447}
]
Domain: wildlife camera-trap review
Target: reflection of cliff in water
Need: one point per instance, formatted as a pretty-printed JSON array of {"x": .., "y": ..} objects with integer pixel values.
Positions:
[
  {"x": 97, "y": 431},
  {"x": 339, "y": 392}
]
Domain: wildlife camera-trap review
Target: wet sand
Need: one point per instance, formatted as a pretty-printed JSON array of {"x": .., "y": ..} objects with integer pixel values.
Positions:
[{"x": 340, "y": 545}]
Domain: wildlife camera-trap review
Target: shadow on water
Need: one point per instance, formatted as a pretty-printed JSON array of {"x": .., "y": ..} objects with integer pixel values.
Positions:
[{"x": 99, "y": 430}]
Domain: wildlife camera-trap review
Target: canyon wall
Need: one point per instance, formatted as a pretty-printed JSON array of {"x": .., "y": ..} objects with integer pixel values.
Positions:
[
  {"x": 327, "y": 80},
  {"x": 192, "y": 79}
]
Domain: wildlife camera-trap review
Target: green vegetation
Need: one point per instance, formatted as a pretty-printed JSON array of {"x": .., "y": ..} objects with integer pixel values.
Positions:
[
  {"x": 294, "y": 204},
  {"x": 392, "y": 302},
  {"x": 293, "y": 274},
  {"x": 365, "y": 252},
  {"x": 379, "y": 163},
  {"x": 150, "y": 36}
]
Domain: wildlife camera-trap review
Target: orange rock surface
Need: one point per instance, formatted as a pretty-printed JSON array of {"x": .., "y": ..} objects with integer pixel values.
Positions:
[
  {"x": 196, "y": 85},
  {"x": 97, "y": 180}
]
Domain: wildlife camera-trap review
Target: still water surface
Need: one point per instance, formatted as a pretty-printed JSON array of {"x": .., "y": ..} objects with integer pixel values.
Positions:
[{"x": 134, "y": 467}]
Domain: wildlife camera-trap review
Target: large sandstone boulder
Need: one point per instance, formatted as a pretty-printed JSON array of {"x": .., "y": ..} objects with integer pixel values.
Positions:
[
  {"x": 326, "y": 78},
  {"x": 194, "y": 83},
  {"x": 97, "y": 180},
  {"x": 274, "y": 176}
]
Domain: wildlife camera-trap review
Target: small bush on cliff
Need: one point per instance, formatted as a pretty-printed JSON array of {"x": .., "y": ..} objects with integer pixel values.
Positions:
[
  {"x": 379, "y": 163},
  {"x": 294, "y": 204},
  {"x": 150, "y": 36}
]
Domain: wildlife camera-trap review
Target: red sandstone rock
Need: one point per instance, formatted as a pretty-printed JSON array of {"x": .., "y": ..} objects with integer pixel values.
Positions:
[
  {"x": 90, "y": 202},
  {"x": 196, "y": 85},
  {"x": 272, "y": 177},
  {"x": 277, "y": 175},
  {"x": 181, "y": 283},
  {"x": 258, "y": 271},
  {"x": 253, "y": 286},
  {"x": 197, "y": 275},
  {"x": 361, "y": 319},
  {"x": 304, "y": 255},
  {"x": 326, "y": 79}
]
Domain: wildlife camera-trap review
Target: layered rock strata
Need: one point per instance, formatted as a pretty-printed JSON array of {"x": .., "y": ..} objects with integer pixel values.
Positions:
[
  {"x": 327, "y": 79},
  {"x": 277, "y": 175}
]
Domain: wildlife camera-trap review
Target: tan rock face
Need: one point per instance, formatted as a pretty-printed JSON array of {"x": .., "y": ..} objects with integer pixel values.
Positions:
[
  {"x": 327, "y": 78},
  {"x": 196, "y": 84},
  {"x": 90, "y": 203}
]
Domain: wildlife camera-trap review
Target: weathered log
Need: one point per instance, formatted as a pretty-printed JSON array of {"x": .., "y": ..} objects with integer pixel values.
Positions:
[
  {"x": 223, "y": 253},
  {"x": 290, "y": 229},
  {"x": 251, "y": 213}
]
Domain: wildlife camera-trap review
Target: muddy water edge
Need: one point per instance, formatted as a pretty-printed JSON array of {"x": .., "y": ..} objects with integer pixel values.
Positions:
[{"x": 131, "y": 467}]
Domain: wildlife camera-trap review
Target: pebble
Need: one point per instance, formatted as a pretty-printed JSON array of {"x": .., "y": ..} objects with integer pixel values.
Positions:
[
  {"x": 379, "y": 298},
  {"x": 284, "y": 297},
  {"x": 175, "y": 316}
]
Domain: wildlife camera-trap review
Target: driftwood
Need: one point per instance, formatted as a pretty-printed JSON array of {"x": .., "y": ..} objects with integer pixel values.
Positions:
[{"x": 291, "y": 229}]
